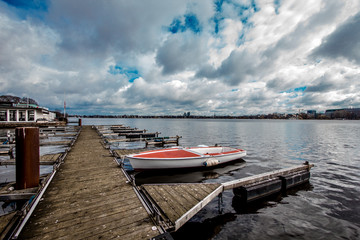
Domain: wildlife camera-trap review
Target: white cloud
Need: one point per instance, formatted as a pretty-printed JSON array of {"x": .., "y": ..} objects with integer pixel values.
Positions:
[{"x": 236, "y": 58}]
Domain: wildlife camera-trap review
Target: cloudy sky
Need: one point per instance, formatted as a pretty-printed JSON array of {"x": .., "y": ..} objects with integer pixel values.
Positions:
[{"x": 168, "y": 57}]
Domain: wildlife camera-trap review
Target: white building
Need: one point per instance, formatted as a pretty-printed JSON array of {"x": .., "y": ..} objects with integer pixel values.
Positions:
[{"x": 11, "y": 112}]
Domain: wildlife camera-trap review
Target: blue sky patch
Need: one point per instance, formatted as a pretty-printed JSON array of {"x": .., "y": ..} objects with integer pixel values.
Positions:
[
  {"x": 218, "y": 17},
  {"x": 254, "y": 6},
  {"x": 176, "y": 26},
  {"x": 190, "y": 22},
  {"x": 296, "y": 91},
  {"x": 130, "y": 73},
  {"x": 245, "y": 11},
  {"x": 28, "y": 4},
  {"x": 299, "y": 89},
  {"x": 277, "y": 4}
]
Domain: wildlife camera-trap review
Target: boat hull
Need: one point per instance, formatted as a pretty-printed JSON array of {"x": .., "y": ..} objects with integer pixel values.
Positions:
[{"x": 148, "y": 160}]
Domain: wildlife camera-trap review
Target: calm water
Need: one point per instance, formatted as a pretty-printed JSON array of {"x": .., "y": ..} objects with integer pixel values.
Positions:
[{"x": 327, "y": 208}]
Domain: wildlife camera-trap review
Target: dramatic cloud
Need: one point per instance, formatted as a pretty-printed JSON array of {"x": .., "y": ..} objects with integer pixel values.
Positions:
[
  {"x": 167, "y": 57},
  {"x": 179, "y": 54},
  {"x": 344, "y": 42}
]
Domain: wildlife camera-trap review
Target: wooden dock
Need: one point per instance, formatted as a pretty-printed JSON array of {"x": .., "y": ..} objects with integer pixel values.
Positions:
[
  {"x": 128, "y": 134},
  {"x": 89, "y": 198},
  {"x": 175, "y": 204}
]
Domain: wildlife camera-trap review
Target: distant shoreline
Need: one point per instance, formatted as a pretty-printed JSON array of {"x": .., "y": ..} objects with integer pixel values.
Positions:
[{"x": 269, "y": 116}]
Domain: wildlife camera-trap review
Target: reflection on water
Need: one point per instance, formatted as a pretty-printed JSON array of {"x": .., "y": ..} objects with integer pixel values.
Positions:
[
  {"x": 271, "y": 201},
  {"x": 187, "y": 175},
  {"x": 330, "y": 209},
  {"x": 206, "y": 229}
]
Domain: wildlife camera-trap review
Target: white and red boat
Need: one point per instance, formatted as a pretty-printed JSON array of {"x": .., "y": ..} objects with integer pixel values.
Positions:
[{"x": 179, "y": 157}]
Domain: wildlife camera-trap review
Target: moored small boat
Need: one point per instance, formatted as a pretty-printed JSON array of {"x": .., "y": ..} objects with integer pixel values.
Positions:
[{"x": 179, "y": 157}]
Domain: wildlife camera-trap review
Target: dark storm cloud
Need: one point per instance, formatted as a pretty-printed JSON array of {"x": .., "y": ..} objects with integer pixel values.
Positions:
[
  {"x": 99, "y": 27},
  {"x": 312, "y": 99},
  {"x": 343, "y": 42},
  {"x": 237, "y": 68},
  {"x": 280, "y": 84},
  {"x": 178, "y": 54},
  {"x": 323, "y": 84}
]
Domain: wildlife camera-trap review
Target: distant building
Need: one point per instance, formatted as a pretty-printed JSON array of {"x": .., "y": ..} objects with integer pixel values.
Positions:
[
  {"x": 348, "y": 113},
  {"x": 186, "y": 114},
  {"x": 20, "y": 112},
  {"x": 311, "y": 113}
]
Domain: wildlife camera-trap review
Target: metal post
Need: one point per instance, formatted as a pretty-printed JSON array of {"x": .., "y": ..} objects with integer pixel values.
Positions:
[{"x": 27, "y": 157}]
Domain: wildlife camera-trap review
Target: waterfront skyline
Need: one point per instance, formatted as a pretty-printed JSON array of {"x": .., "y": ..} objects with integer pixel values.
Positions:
[{"x": 169, "y": 57}]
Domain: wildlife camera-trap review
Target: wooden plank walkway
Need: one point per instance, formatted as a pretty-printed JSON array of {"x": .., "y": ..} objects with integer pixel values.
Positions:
[
  {"x": 180, "y": 202},
  {"x": 89, "y": 198}
]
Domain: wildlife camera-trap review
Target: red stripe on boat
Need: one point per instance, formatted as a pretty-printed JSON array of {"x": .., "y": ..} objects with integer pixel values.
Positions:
[{"x": 178, "y": 153}]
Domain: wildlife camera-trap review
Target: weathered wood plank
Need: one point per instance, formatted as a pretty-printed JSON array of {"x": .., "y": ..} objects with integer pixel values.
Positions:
[
  {"x": 176, "y": 200},
  {"x": 86, "y": 206},
  {"x": 6, "y": 223},
  {"x": 54, "y": 143},
  {"x": 157, "y": 193},
  {"x": 86, "y": 229},
  {"x": 188, "y": 195},
  {"x": 209, "y": 187},
  {"x": 192, "y": 190},
  {"x": 108, "y": 228},
  {"x": 184, "y": 218},
  {"x": 200, "y": 190},
  {"x": 132, "y": 235},
  {"x": 89, "y": 198},
  {"x": 83, "y": 178},
  {"x": 179, "y": 196},
  {"x": 179, "y": 201},
  {"x": 83, "y": 189},
  {"x": 84, "y": 221},
  {"x": 50, "y": 157},
  {"x": 265, "y": 176}
]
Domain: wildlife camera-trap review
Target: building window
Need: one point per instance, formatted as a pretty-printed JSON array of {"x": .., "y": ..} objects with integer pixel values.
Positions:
[
  {"x": 31, "y": 115},
  {"x": 22, "y": 115},
  {"x": 3, "y": 115},
  {"x": 13, "y": 115}
]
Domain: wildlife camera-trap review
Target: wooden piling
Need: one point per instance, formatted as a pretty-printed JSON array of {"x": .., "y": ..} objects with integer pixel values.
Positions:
[
  {"x": 80, "y": 122},
  {"x": 27, "y": 157}
]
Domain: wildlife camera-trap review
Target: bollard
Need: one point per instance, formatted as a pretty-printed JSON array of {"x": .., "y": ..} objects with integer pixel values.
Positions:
[
  {"x": 79, "y": 122},
  {"x": 27, "y": 157}
]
